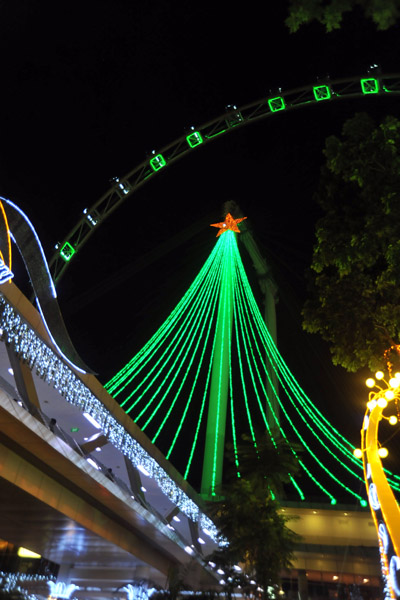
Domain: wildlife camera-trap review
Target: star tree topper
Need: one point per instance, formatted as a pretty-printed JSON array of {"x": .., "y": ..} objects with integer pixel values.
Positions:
[{"x": 230, "y": 224}]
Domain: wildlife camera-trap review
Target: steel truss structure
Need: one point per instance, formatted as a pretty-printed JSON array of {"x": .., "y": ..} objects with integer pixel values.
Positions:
[{"x": 232, "y": 119}]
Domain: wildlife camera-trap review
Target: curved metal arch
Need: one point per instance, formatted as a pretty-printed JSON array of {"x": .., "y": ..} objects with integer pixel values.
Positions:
[
  {"x": 233, "y": 118},
  {"x": 27, "y": 241}
]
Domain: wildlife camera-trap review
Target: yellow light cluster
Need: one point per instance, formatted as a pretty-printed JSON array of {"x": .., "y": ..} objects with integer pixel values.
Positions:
[
  {"x": 383, "y": 452},
  {"x": 394, "y": 382},
  {"x": 381, "y": 397}
]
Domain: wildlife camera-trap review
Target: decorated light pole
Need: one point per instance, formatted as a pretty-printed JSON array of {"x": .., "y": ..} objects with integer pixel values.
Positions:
[{"x": 384, "y": 507}]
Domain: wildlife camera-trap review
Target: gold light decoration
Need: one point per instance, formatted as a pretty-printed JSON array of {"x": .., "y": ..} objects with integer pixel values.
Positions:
[
  {"x": 383, "y": 504},
  {"x": 5, "y": 264}
]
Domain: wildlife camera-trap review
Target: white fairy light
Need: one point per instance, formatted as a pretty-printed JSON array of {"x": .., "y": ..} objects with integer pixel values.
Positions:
[{"x": 41, "y": 358}]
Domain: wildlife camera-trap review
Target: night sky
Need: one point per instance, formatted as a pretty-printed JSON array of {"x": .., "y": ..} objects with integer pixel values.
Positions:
[{"x": 87, "y": 89}]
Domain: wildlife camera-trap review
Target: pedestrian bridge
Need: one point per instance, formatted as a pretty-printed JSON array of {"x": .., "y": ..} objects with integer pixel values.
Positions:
[{"x": 82, "y": 486}]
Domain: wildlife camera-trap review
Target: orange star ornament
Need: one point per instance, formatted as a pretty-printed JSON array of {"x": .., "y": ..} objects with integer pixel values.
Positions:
[{"x": 230, "y": 224}]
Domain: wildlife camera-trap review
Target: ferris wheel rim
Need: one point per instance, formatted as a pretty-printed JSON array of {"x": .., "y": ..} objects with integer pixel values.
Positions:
[{"x": 322, "y": 92}]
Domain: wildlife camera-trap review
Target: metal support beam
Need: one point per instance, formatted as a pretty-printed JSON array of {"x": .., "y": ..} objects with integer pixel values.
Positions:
[
  {"x": 23, "y": 378},
  {"x": 269, "y": 290},
  {"x": 97, "y": 441},
  {"x": 217, "y": 408},
  {"x": 135, "y": 482}
]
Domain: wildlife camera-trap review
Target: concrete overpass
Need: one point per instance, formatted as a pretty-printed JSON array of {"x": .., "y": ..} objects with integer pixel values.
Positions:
[
  {"x": 84, "y": 487},
  {"x": 80, "y": 483}
]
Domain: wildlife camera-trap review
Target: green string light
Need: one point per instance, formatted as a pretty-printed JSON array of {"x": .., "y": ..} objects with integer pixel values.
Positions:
[
  {"x": 205, "y": 318},
  {"x": 284, "y": 384},
  {"x": 312, "y": 411},
  {"x": 292, "y": 424},
  {"x": 218, "y": 323},
  {"x": 174, "y": 344}
]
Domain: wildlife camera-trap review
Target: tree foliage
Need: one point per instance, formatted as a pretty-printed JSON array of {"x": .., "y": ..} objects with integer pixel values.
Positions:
[
  {"x": 354, "y": 299},
  {"x": 257, "y": 532},
  {"x": 384, "y": 13},
  {"x": 249, "y": 516},
  {"x": 265, "y": 464}
]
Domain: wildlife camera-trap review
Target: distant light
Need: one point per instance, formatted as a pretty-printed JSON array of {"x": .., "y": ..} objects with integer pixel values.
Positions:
[
  {"x": 91, "y": 420},
  {"x": 200, "y": 540},
  {"x": 157, "y": 162},
  {"x": 25, "y": 553},
  {"x": 212, "y": 564},
  {"x": 188, "y": 549},
  {"x": 363, "y": 503},
  {"x": 383, "y": 452},
  {"x": 237, "y": 568},
  {"x": 220, "y": 572},
  {"x": 276, "y": 104},
  {"x": 357, "y": 452},
  {"x": 61, "y": 589},
  {"x": 67, "y": 252},
  {"x": 322, "y": 92},
  {"x": 393, "y": 419},
  {"x": 379, "y": 375},
  {"x": 98, "y": 449},
  {"x": 194, "y": 139},
  {"x": 176, "y": 518},
  {"x": 143, "y": 489},
  {"x": 93, "y": 463},
  {"x": 369, "y": 85},
  {"x": 11, "y": 371},
  {"x": 74, "y": 429},
  {"x": 123, "y": 186},
  {"x": 93, "y": 437},
  {"x": 370, "y": 382},
  {"x": 143, "y": 470},
  {"x": 222, "y": 582}
]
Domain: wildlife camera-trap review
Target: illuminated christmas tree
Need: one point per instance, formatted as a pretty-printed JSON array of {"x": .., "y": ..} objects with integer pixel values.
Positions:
[{"x": 213, "y": 368}]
